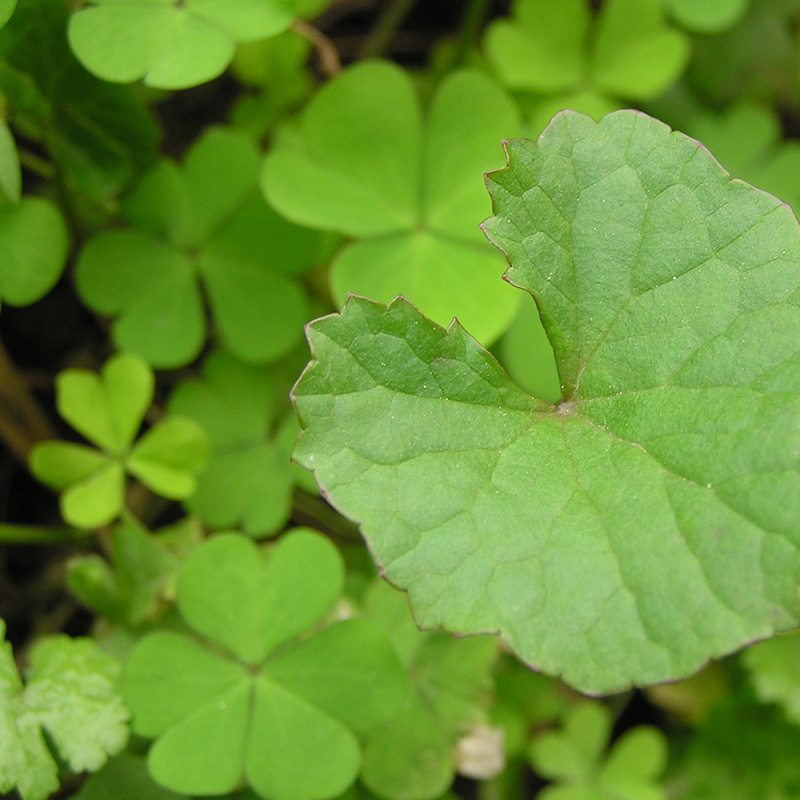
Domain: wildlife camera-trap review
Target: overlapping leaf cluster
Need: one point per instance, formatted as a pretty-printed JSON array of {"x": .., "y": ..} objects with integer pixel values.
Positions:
[{"x": 619, "y": 510}]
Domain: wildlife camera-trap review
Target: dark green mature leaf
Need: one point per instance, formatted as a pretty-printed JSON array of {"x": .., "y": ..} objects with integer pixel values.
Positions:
[
  {"x": 100, "y": 135},
  {"x": 203, "y": 222},
  {"x": 648, "y": 521},
  {"x": 249, "y": 479},
  {"x": 263, "y": 705}
]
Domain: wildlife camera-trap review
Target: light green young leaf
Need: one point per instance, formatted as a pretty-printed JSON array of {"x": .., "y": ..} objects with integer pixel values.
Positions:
[
  {"x": 71, "y": 694},
  {"x": 108, "y": 410},
  {"x": 668, "y": 293},
  {"x": 169, "y": 456},
  {"x": 170, "y": 44},
  {"x": 407, "y": 185}
]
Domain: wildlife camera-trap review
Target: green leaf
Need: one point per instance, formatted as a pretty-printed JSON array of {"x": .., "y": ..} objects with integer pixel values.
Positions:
[
  {"x": 33, "y": 237},
  {"x": 627, "y": 51},
  {"x": 541, "y": 48},
  {"x": 635, "y": 54},
  {"x": 371, "y": 165},
  {"x": 70, "y": 693},
  {"x": 706, "y": 16},
  {"x": 248, "y": 481},
  {"x": 168, "y": 457},
  {"x": 98, "y": 135},
  {"x": 131, "y": 588},
  {"x": 203, "y": 223},
  {"x": 574, "y": 755},
  {"x": 282, "y": 713},
  {"x": 774, "y": 673},
  {"x": 107, "y": 409},
  {"x": 171, "y": 45},
  {"x": 228, "y": 593},
  {"x": 413, "y": 754},
  {"x": 10, "y": 171},
  {"x": 123, "y": 778},
  {"x": 668, "y": 294}
]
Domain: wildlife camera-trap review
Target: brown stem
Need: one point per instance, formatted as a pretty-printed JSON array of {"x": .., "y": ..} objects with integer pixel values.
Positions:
[
  {"x": 329, "y": 61},
  {"x": 23, "y": 422}
]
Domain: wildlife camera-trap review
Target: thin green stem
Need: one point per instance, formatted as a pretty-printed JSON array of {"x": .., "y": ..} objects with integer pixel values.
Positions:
[
  {"x": 385, "y": 28},
  {"x": 42, "y": 534},
  {"x": 471, "y": 25},
  {"x": 38, "y": 165},
  {"x": 312, "y": 510}
]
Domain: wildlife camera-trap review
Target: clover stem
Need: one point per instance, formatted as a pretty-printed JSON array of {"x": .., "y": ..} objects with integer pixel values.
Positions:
[
  {"x": 309, "y": 509},
  {"x": 41, "y": 534},
  {"x": 385, "y": 28},
  {"x": 471, "y": 24},
  {"x": 329, "y": 61},
  {"x": 23, "y": 422}
]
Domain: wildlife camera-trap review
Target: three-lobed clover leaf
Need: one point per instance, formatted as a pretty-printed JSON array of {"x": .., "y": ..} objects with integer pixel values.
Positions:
[
  {"x": 646, "y": 522},
  {"x": 413, "y": 755},
  {"x": 108, "y": 410},
  {"x": 170, "y": 44},
  {"x": 406, "y": 186},
  {"x": 204, "y": 223},
  {"x": 249, "y": 479},
  {"x": 261, "y": 705},
  {"x": 573, "y": 756},
  {"x": 70, "y": 694},
  {"x": 574, "y": 60}
]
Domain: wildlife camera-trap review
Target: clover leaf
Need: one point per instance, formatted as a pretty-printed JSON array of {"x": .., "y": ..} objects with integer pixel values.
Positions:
[
  {"x": 407, "y": 188},
  {"x": 170, "y": 44},
  {"x": 261, "y": 705},
  {"x": 744, "y": 750},
  {"x": 203, "y": 223},
  {"x": 574, "y": 757},
  {"x": 33, "y": 235},
  {"x": 648, "y": 520},
  {"x": 108, "y": 410},
  {"x": 99, "y": 136},
  {"x": 139, "y": 578},
  {"x": 413, "y": 754},
  {"x": 249, "y": 478},
  {"x": 70, "y": 694},
  {"x": 706, "y": 16},
  {"x": 584, "y": 62},
  {"x": 774, "y": 668},
  {"x": 746, "y": 139}
]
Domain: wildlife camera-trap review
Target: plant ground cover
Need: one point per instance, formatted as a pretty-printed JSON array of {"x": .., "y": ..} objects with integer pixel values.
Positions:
[{"x": 300, "y": 498}]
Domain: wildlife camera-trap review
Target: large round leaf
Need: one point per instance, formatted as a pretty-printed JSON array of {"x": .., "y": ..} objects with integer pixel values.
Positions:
[{"x": 649, "y": 520}]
